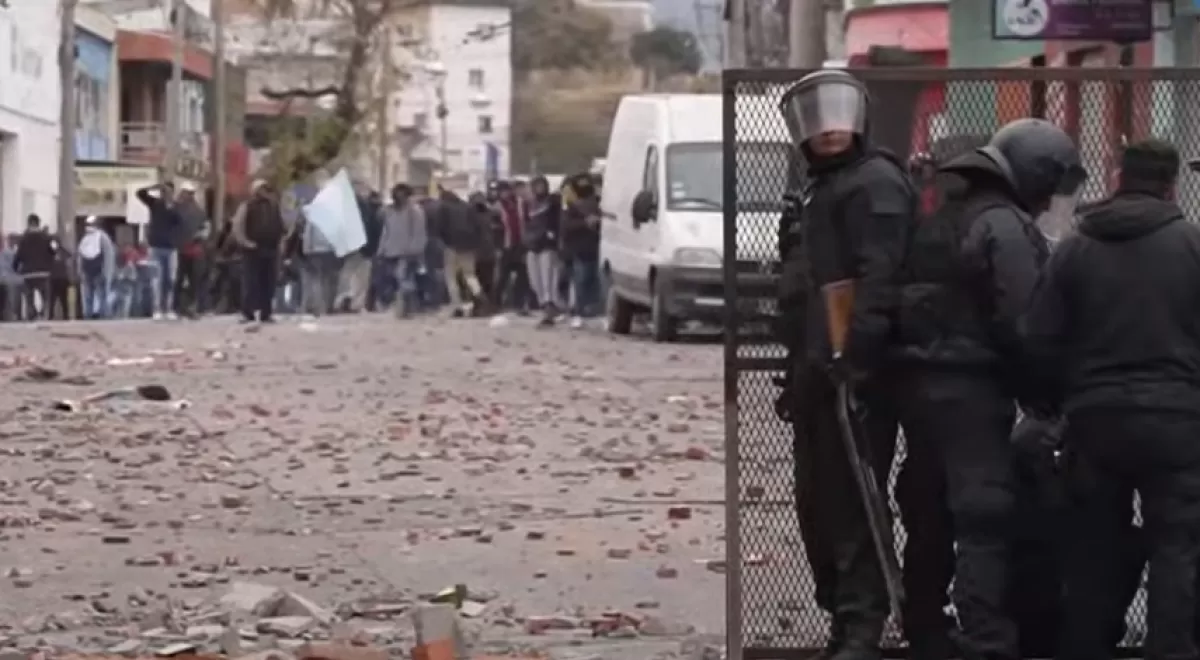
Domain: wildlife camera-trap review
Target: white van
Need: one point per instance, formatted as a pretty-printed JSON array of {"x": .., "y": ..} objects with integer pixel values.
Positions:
[{"x": 662, "y": 240}]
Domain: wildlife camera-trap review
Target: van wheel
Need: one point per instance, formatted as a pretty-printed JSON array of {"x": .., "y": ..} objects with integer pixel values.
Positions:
[
  {"x": 663, "y": 328},
  {"x": 619, "y": 313}
]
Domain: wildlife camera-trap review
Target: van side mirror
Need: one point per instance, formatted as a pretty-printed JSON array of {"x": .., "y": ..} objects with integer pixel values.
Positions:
[{"x": 645, "y": 208}]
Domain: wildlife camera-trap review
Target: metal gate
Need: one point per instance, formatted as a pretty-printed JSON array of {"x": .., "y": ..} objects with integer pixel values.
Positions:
[{"x": 771, "y": 612}]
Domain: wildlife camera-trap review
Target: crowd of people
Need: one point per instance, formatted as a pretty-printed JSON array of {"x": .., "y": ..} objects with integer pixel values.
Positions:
[{"x": 517, "y": 246}]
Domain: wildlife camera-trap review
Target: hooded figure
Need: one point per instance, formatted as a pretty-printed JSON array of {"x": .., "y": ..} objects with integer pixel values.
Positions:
[
  {"x": 542, "y": 240},
  {"x": 97, "y": 262}
]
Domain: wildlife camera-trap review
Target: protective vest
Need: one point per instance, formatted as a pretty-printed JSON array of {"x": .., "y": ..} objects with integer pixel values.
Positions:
[{"x": 945, "y": 308}]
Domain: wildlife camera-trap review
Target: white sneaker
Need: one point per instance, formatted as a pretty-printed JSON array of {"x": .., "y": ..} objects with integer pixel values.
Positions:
[
  {"x": 172, "y": 316},
  {"x": 158, "y": 316},
  {"x": 576, "y": 322}
]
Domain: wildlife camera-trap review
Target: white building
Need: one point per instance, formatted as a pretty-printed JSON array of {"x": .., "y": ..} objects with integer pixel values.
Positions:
[
  {"x": 29, "y": 99},
  {"x": 459, "y": 57}
]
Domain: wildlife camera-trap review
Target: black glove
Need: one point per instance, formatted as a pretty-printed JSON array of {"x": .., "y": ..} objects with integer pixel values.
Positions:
[{"x": 842, "y": 371}]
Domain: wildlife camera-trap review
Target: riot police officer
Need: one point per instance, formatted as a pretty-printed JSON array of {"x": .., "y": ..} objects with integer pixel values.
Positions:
[
  {"x": 969, "y": 275},
  {"x": 849, "y": 223},
  {"x": 1115, "y": 332}
]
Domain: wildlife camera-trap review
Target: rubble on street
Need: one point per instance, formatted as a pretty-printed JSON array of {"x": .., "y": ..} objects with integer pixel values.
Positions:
[{"x": 357, "y": 488}]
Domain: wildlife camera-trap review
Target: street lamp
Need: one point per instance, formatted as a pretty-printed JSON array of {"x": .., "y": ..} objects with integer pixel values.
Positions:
[{"x": 437, "y": 70}]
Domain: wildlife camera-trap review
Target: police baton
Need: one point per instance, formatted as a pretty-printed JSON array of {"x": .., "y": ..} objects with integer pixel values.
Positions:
[{"x": 839, "y": 303}]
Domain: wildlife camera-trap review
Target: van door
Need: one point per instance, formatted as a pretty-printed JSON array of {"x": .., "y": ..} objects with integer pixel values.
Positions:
[{"x": 646, "y": 236}]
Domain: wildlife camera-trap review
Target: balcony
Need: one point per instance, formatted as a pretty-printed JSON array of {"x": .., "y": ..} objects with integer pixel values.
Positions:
[{"x": 146, "y": 143}]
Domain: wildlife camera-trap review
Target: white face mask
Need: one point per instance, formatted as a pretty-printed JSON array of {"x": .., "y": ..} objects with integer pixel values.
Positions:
[{"x": 1059, "y": 219}]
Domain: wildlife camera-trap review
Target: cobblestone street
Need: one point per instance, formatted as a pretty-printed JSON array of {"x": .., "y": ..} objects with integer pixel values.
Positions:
[{"x": 362, "y": 464}]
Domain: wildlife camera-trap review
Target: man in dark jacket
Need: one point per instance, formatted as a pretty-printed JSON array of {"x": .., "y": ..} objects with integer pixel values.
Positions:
[
  {"x": 460, "y": 230},
  {"x": 34, "y": 261},
  {"x": 162, "y": 236},
  {"x": 850, "y": 231},
  {"x": 260, "y": 231},
  {"x": 1114, "y": 333},
  {"x": 514, "y": 214},
  {"x": 541, "y": 237},
  {"x": 968, "y": 276},
  {"x": 487, "y": 220},
  {"x": 581, "y": 246}
]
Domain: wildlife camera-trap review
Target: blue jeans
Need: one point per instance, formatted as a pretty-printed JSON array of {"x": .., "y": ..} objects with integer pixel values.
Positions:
[
  {"x": 585, "y": 281},
  {"x": 167, "y": 260},
  {"x": 93, "y": 290},
  {"x": 383, "y": 280},
  {"x": 407, "y": 272}
]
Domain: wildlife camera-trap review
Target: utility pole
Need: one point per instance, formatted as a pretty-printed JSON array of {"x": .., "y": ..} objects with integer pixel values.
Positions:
[
  {"x": 735, "y": 34},
  {"x": 66, "y": 121},
  {"x": 806, "y": 34},
  {"x": 177, "y": 14},
  {"x": 220, "y": 100}
]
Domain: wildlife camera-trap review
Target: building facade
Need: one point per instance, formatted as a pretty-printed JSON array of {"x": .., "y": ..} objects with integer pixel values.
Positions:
[
  {"x": 460, "y": 60},
  {"x": 97, "y": 86},
  {"x": 29, "y": 99}
]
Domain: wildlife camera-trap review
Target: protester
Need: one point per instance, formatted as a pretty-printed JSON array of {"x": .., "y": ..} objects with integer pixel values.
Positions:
[
  {"x": 581, "y": 246},
  {"x": 34, "y": 261},
  {"x": 10, "y": 280},
  {"x": 97, "y": 267},
  {"x": 125, "y": 282},
  {"x": 190, "y": 289},
  {"x": 541, "y": 240},
  {"x": 460, "y": 229},
  {"x": 62, "y": 276},
  {"x": 162, "y": 236},
  {"x": 372, "y": 228},
  {"x": 354, "y": 279},
  {"x": 512, "y": 270},
  {"x": 486, "y": 220},
  {"x": 318, "y": 270},
  {"x": 402, "y": 247},
  {"x": 259, "y": 230}
]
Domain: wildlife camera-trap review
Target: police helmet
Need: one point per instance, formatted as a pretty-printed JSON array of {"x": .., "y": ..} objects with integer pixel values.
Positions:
[
  {"x": 1038, "y": 159},
  {"x": 824, "y": 101}
]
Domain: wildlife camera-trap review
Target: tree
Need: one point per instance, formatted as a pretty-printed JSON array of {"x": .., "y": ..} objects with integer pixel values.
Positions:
[
  {"x": 349, "y": 31},
  {"x": 559, "y": 35},
  {"x": 665, "y": 51}
]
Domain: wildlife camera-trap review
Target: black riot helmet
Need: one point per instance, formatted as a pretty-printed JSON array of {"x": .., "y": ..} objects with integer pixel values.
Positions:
[
  {"x": 1039, "y": 160},
  {"x": 823, "y": 101}
]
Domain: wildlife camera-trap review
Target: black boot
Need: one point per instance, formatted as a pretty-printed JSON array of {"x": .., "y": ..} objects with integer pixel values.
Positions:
[
  {"x": 837, "y": 636},
  {"x": 860, "y": 639}
]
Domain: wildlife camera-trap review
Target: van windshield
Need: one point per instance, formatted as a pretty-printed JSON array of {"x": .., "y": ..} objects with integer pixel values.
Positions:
[{"x": 694, "y": 176}]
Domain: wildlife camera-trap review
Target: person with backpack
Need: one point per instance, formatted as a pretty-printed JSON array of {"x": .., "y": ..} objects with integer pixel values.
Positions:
[
  {"x": 97, "y": 258},
  {"x": 847, "y": 230},
  {"x": 969, "y": 274}
]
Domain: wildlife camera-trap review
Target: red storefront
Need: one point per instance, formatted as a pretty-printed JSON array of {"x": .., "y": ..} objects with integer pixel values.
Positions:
[{"x": 918, "y": 28}]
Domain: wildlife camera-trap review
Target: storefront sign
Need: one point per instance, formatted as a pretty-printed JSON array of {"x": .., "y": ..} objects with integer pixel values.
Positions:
[
  {"x": 105, "y": 190},
  {"x": 1091, "y": 20}
]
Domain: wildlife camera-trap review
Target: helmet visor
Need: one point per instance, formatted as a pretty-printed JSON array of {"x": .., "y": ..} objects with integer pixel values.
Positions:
[{"x": 825, "y": 107}]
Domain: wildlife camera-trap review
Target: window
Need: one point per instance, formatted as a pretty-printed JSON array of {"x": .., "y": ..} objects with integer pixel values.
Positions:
[
  {"x": 485, "y": 124},
  {"x": 650, "y": 172},
  {"x": 475, "y": 78},
  {"x": 694, "y": 171}
]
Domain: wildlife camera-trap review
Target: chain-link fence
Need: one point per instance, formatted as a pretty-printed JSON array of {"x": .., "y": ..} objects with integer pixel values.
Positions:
[{"x": 935, "y": 112}]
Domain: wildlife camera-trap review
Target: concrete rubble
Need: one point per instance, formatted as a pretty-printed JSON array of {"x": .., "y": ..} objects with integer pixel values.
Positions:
[{"x": 327, "y": 480}]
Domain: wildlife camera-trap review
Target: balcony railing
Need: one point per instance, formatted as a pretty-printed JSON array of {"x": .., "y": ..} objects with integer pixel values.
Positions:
[
  {"x": 146, "y": 143},
  {"x": 148, "y": 140}
]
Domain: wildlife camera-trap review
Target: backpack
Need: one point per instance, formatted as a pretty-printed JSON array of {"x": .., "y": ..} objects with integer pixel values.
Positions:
[{"x": 91, "y": 254}]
